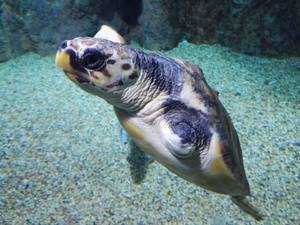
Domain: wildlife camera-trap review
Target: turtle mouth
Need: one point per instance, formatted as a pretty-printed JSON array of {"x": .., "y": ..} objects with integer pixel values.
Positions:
[
  {"x": 81, "y": 79},
  {"x": 76, "y": 77},
  {"x": 63, "y": 61}
]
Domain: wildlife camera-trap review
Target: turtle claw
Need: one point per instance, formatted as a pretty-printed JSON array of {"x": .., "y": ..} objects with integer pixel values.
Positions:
[{"x": 124, "y": 138}]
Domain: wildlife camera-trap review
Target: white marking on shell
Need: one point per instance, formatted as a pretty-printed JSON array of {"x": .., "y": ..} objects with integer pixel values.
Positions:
[
  {"x": 170, "y": 139},
  {"x": 190, "y": 97}
]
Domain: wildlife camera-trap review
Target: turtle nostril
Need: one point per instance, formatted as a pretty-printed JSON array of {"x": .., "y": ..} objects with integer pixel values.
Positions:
[{"x": 64, "y": 44}]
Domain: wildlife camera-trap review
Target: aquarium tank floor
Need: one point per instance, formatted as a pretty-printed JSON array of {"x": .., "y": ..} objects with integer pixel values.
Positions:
[{"x": 62, "y": 161}]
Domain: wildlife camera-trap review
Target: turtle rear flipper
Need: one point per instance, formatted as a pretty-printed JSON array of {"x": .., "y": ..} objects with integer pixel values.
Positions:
[{"x": 244, "y": 205}]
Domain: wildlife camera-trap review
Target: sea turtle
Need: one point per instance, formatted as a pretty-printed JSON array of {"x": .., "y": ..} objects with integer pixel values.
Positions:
[
  {"x": 137, "y": 159},
  {"x": 167, "y": 108}
]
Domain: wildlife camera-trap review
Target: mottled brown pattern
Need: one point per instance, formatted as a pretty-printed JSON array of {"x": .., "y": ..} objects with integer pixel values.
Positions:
[
  {"x": 94, "y": 76},
  {"x": 106, "y": 73},
  {"x": 88, "y": 42},
  {"x": 74, "y": 45}
]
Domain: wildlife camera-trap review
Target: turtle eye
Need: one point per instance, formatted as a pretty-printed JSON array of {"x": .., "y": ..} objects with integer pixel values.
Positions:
[{"x": 93, "y": 59}]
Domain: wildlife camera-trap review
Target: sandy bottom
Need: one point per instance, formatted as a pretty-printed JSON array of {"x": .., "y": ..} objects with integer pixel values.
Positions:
[{"x": 62, "y": 161}]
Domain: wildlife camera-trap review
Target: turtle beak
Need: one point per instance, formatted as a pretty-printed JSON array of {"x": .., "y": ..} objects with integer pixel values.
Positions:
[{"x": 62, "y": 60}]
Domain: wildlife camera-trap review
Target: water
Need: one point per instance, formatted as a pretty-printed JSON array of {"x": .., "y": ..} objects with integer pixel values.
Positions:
[{"x": 62, "y": 160}]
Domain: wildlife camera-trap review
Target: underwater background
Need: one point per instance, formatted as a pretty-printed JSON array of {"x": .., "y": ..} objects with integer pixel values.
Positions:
[{"x": 62, "y": 158}]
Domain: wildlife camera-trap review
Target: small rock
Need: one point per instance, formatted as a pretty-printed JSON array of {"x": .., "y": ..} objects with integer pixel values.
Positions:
[{"x": 294, "y": 143}]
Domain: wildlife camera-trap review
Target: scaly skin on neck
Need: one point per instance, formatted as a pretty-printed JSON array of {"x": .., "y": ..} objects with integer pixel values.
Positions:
[{"x": 159, "y": 79}]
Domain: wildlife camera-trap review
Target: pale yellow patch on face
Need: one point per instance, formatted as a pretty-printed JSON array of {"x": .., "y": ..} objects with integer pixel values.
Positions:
[{"x": 62, "y": 60}]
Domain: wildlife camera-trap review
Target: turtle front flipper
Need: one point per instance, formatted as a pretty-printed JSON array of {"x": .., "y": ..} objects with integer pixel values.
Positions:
[{"x": 138, "y": 161}]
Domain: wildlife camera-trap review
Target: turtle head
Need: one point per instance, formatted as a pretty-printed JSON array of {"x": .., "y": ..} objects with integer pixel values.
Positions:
[
  {"x": 125, "y": 77},
  {"x": 98, "y": 66}
]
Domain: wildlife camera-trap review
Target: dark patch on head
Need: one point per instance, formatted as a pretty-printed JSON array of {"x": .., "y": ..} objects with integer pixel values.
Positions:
[
  {"x": 63, "y": 45},
  {"x": 133, "y": 75},
  {"x": 126, "y": 66},
  {"x": 74, "y": 60},
  {"x": 111, "y": 61},
  {"x": 93, "y": 59}
]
